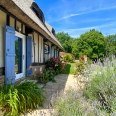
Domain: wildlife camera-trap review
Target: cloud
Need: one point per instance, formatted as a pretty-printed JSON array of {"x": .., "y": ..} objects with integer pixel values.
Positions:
[
  {"x": 105, "y": 29},
  {"x": 76, "y": 14},
  {"x": 92, "y": 27},
  {"x": 96, "y": 20},
  {"x": 68, "y": 16}
]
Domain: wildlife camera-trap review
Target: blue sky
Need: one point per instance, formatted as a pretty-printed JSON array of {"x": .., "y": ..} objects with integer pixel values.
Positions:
[{"x": 76, "y": 17}]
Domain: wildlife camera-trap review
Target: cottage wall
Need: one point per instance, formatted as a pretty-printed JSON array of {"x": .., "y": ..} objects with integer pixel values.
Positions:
[
  {"x": 53, "y": 48},
  {"x": 36, "y": 47},
  {"x": 12, "y": 20},
  {"x": 32, "y": 48},
  {"x": 50, "y": 54},
  {"x": 41, "y": 49},
  {"x": 46, "y": 54},
  {"x": 39, "y": 57},
  {"x": 2, "y": 24}
]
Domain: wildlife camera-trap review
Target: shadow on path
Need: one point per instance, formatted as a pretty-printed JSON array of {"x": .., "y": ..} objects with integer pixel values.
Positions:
[{"x": 63, "y": 83}]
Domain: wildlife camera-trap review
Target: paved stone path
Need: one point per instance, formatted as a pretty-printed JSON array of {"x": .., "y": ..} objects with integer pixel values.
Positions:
[{"x": 63, "y": 83}]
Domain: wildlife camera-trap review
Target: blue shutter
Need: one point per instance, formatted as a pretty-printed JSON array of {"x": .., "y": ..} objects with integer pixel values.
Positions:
[
  {"x": 9, "y": 35},
  {"x": 29, "y": 55}
]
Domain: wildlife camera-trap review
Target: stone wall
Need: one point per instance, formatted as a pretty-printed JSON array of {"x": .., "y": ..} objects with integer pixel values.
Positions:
[
  {"x": 37, "y": 70},
  {"x": 2, "y": 80}
]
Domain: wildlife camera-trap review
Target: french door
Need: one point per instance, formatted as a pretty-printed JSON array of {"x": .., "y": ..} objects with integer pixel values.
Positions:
[{"x": 20, "y": 55}]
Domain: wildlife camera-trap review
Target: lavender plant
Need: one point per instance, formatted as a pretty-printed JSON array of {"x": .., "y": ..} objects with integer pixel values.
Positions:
[
  {"x": 72, "y": 103},
  {"x": 102, "y": 86}
]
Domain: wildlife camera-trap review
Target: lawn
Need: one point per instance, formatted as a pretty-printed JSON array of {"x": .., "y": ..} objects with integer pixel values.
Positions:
[{"x": 69, "y": 69}]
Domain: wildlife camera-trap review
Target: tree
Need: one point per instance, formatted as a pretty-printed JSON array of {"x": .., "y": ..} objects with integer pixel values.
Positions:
[
  {"x": 75, "y": 51},
  {"x": 91, "y": 43},
  {"x": 65, "y": 40},
  {"x": 110, "y": 41}
]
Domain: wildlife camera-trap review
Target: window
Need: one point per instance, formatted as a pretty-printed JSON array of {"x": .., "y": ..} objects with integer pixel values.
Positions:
[{"x": 46, "y": 50}]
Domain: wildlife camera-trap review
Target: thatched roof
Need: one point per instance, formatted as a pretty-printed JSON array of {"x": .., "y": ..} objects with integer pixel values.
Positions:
[
  {"x": 50, "y": 29},
  {"x": 22, "y": 10}
]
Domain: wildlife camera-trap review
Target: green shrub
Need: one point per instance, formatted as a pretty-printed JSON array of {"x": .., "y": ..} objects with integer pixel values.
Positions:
[
  {"x": 15, "y": 99},
  {"x": 68, "y": 58},
  {"x": 47, "y": 75},
  {"x": 54, "y": 64},
  {"x": 102, "y": 86},
  {"x": 80, "y": 67}
]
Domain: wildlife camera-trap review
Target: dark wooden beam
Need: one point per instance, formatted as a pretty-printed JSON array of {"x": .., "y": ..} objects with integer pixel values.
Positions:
[
  {"x": 34, "y": 47},
  {"x": 15, "y": 24},
  {"x": 2, "y": 71},
  {"x": 38, "y": 48},
  {"x": 21, "y": 27},
  {"x": 7, "y": 20},
  {"x": 37, "y": 64}
]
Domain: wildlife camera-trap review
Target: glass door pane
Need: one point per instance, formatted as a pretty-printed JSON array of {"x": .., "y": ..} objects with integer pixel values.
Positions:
[{"x": 18, "y": 57}]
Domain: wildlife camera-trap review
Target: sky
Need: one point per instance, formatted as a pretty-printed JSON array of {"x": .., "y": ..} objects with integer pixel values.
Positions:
[{"x": 76, "y": 17}]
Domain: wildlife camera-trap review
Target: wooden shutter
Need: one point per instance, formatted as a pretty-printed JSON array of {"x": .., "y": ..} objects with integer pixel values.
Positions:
[
  {"x": 29, "y": 55},
  {"x": 9, "y": 35}
]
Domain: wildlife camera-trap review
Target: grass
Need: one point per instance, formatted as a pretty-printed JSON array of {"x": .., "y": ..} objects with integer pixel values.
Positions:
[{"x": 69, "y": 68}]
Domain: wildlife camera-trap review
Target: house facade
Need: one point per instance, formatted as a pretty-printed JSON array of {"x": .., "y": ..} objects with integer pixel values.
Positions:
[{"x": 25, "y": 40}]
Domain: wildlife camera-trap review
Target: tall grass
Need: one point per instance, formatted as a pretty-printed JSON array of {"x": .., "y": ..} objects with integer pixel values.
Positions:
[
  {"x": 98, "y": 98},
  {"x": 15, "y": 99}
]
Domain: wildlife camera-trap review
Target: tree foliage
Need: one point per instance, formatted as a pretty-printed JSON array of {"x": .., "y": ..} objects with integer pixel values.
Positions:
[
  {"x": 91, "y": 43},
  {"x": 110, "y": 41},
  {"x": 65, "y": 40}
]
